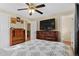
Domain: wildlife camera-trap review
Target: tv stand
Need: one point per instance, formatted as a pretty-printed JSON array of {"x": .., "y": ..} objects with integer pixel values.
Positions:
[{"x": 48, "y": 35}]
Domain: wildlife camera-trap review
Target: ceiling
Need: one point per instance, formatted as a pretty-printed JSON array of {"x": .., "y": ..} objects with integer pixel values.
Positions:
[{"x": 49, "y": 9}]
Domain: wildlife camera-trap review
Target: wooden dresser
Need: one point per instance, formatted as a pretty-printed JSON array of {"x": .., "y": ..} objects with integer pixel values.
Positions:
[
  {"x": 48, "y": 35},
  {"x": 17, "y": 36}
]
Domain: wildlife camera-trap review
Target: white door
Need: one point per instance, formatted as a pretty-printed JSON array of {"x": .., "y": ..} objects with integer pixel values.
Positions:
[{"x": 67, "y": 28}]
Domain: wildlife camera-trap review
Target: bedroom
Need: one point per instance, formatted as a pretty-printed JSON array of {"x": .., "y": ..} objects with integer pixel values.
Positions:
[{"x": 28, "y": 34}]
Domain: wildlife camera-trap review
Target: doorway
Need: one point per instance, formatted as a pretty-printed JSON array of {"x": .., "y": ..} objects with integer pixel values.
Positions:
[{"x": 28, "y": 31}]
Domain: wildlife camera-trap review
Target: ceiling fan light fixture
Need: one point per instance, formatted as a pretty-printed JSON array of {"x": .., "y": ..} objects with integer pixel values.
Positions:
[{"x": 31, "y": 10}]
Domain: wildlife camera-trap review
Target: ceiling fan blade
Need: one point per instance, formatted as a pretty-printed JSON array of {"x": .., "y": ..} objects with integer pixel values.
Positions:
[
  {"x": 27, "y": 3},
  {"x": 22, "y": 9},
  {"x": 39, "y": 11},
  {"x": 39, "y": 6}
]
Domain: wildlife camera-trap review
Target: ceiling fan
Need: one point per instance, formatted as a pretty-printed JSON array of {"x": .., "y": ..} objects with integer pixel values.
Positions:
[{"x": 32, "y": 7}]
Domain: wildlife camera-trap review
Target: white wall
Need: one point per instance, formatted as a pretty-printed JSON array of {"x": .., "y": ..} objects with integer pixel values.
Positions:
[
  {"x": 33, "y": 30},
  {"x": 17, "y": 25},
  {"x": 25, "y": 27},
  {"x": 4, "y": 30}
]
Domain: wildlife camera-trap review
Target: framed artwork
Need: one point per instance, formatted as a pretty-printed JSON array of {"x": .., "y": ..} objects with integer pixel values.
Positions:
[{"x": 13, "y": 20}]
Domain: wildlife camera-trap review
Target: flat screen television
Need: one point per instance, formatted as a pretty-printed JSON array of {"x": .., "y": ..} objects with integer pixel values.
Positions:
[{"x": 47, "y": 25}]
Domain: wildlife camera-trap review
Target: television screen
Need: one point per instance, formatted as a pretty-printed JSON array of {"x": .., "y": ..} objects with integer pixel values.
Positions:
[{"x": 48, "y": 24}]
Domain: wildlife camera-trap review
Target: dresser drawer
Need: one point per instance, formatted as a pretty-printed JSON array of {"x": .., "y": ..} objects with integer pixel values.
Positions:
[{"x": 48, "y": 35}]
